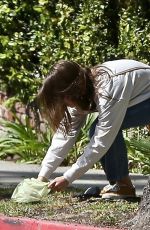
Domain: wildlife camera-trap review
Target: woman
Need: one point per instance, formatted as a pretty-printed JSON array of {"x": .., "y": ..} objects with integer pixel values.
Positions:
[{"x": 120, "y": 92}]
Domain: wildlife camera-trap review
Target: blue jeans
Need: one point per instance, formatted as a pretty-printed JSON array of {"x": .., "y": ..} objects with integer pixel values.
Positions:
[{"x": 115, "y": 161}]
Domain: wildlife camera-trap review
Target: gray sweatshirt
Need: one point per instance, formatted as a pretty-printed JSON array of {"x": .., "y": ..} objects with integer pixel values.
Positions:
[{"x": 128, "y": 84}]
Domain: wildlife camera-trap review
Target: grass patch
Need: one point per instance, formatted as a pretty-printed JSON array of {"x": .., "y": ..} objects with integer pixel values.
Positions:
[{"x": 64, "y": 208}]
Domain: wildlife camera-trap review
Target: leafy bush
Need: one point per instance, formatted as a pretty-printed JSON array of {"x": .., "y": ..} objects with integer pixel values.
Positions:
[
  {"x": 135, "y": 30},
  {"x": 139, "y": 154},
  {"x": 23, "y": 140},
  {"x": 31, "y": 146},
  {"x": 35, "y": 34}
]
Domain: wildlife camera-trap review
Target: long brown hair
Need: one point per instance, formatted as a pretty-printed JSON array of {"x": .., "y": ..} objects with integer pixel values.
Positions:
[{"x": 67, "y": 78}]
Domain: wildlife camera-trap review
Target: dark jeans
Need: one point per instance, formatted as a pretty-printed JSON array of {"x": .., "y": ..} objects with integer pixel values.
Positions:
[{"x": 115, "y": 161}]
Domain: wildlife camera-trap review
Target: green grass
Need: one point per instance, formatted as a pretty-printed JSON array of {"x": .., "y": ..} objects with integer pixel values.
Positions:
[{"x": 63, "y": 207}]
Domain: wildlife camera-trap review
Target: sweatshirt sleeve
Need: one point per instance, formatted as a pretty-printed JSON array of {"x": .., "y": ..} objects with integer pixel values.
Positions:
[
  {"x": 112, "y": 109},
  {"x": 61, "y": 144}
]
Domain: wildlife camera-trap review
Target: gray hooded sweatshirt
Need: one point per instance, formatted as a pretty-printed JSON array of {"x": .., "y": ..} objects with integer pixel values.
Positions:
[{"x": 128, "y": 84}]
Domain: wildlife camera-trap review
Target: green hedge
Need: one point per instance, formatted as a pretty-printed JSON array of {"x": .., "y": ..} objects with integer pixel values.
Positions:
[{"x": 35, "y": 34}]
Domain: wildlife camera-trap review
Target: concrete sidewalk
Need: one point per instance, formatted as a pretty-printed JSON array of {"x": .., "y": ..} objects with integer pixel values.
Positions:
[{"x": 12, "y": 173}]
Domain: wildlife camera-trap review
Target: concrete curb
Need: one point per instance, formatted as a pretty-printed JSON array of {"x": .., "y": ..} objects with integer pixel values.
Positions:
[
  {"x": 13, "y": 173},
  {"x": 14, "y": 223}
]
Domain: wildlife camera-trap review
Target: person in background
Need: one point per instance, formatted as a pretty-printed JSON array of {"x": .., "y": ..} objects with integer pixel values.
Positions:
[{"x": 119, "y": 91}]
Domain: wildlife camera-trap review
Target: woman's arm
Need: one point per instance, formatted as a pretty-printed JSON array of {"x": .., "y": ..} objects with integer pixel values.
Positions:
[{"x": 61, "y": 145}]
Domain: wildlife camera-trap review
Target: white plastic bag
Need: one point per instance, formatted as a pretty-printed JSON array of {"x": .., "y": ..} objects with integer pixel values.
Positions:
[{"x": 30, "y": 190}]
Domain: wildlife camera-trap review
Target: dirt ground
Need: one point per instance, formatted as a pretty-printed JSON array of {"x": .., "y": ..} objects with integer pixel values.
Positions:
[{"x": 64, "y": 207}]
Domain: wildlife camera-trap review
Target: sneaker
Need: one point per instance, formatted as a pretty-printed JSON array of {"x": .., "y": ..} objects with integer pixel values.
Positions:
[
  {"x": 106, "y": 188},
  {"x": 117, "y": 192}
]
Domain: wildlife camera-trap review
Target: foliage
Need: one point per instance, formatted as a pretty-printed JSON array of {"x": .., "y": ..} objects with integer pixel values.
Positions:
[
  {"x": 135, "y": 31},
  {"x": 24, "y": 141},
  {"x": 31, "y": 145},
  {"x": 35, "y": 34},
  {"x": 19, "y": 52},
  {"x": 139, "y": 154}
]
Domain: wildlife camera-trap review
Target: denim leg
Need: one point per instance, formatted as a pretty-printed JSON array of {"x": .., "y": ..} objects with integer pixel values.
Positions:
[
  {"x": 112, "y": 161},
  {"x": 115, "y": 161},
  {"x": 137, "y": 115}
]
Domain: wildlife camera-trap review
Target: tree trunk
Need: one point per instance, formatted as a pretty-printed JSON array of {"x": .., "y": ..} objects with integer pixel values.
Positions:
[{"x": 142, "y": 220}]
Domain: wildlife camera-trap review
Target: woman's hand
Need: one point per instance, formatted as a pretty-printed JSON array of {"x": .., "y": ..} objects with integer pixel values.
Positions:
[{"x": 58, "y": 184}]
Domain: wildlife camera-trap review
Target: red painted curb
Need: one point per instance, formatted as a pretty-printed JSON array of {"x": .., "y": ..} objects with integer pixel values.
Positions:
[{"x": 14, "y": 223}]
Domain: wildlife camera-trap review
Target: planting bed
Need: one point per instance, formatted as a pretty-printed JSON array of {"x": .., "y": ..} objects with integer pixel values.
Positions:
[{"x": 63, "y": 208}]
